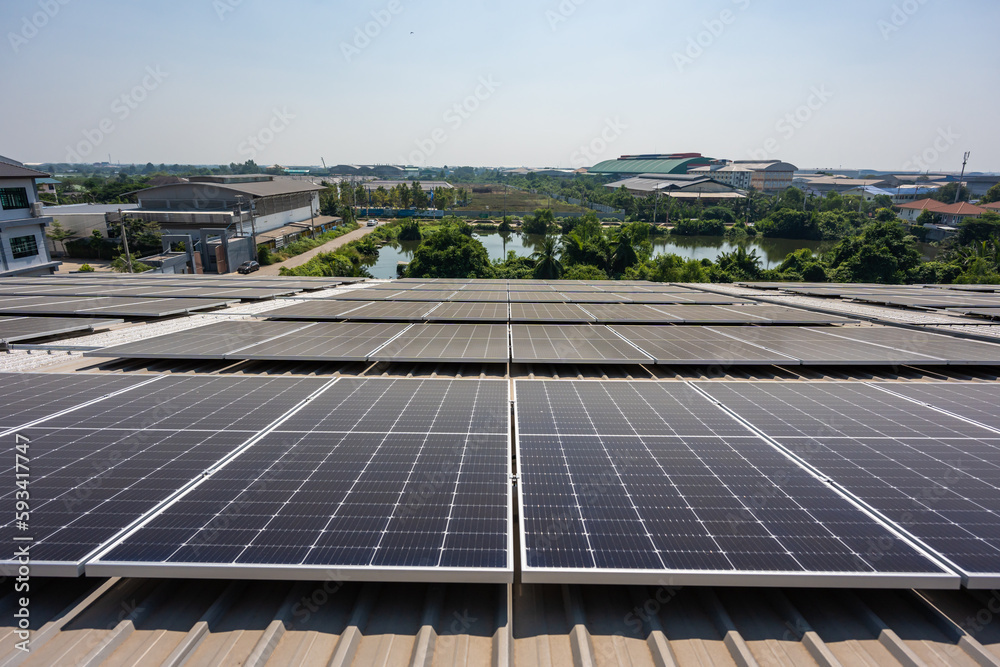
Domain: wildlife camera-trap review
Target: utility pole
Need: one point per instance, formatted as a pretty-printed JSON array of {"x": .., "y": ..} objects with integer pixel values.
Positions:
[
  {"x": 656, "y": 203},
  {"x": 958, "y": 191},
  {"x": 128, "y": 255}
]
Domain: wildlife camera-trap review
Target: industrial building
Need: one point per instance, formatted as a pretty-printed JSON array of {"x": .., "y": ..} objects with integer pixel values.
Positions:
[
  {"x": 681, "y": 186},
  {"x": 769, "y": 177},
  {"x": 23, "y": 249},
  {"x": 662, "y": 165}
]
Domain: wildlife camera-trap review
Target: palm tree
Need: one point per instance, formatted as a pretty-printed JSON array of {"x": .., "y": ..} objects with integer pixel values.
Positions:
[
  {"x": 547, "y": 264},
  {"x": 623, "y": 253}
]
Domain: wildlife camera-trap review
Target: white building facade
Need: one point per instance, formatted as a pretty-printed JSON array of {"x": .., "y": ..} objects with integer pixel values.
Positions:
[{"x": 23, "y": 249}]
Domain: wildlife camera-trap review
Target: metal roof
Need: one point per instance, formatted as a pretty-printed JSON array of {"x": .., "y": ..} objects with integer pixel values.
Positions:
[
  {"x": 657, "y": 166},
  {"x": 257, "y": 189}
]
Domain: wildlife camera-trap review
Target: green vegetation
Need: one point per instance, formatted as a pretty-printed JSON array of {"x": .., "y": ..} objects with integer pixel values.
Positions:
[
  {"x": 60, "y": 234},
  {"x": 265, "y": 256},
  {"x": 120, "y": 265},
  {"x": 409, "y": 230},
  {"x": 86, "y": 268}
]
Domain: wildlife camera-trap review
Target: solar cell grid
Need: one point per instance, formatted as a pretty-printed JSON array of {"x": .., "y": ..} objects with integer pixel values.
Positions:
[
  {"x": 14, "y": 329},
  {"x": 468, "y": 311},
  {"x": 431, "y": 504},
  {"x": 975, "y": 401},
  {"x": 955, "y": 350},
  {"x": 448, "y": 343},
  {"x": 316, "y": 309},
  {"x": 25, "y": 397},
  {"x": 548, "y": 312},
  {"x": 99, "y": 468},
  {"x": 539, "y": 343},
  {"x": 609, "y": 313},
  {"x": 325, "y": 341},
  {"x": 393, "y": 311},
  {"x": 695, "y": 500},
  {"x": 698, "y": 345},
  {"x": 213, "y": 341}
]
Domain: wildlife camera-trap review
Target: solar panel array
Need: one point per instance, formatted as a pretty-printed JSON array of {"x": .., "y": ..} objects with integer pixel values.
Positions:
[
  {"x": 16, "y": 329},
  {"x": 114, "y": 306},
  {"x": 934, "y": 475},
  {"x": 293, "y": 340},
  {"x": 641, "y": 483}
]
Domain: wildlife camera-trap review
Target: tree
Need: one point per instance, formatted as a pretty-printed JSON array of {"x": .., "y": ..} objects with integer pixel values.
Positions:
[
  {"x": 60, "y": 234},
  {"x": 982, "y": 228},
  {"x": 449, "y": 253},
  {"x": 540, "y": 222},
  {"x": 739, "y": 265},
  {"x": 787, "y": 223},
  {"x": 409, "y": 230},
  {"x": 623, "y": 254},
  {"x": 947, "y": 193},
  {"x": 584, "y": 272},
  {"x": 992, "y": 195},
  {"x": 547, "y": 264},
  {"x": 882, "y": 253},
  {"x": 96, "y": 241},
  {"x": 928, "y": 217}
]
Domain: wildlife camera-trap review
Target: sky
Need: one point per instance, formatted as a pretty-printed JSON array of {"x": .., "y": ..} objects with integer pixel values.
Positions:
[{"x": 898, "y": 85}]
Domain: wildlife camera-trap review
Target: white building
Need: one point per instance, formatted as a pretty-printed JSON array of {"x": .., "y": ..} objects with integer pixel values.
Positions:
[
  {"x": 23, "y": 251},
  {"x": 770, "y": 177}
]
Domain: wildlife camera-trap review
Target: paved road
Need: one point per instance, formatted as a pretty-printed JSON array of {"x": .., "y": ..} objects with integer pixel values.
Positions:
[{"x": 298, "y": 260}]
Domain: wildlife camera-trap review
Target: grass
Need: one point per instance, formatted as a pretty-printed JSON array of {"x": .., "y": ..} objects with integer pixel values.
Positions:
[
  {"x": 517, "y": 200},
  {"x": 307, "y": 244}
]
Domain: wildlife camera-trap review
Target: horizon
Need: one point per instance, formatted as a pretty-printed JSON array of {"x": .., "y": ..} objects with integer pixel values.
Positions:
[{"x": 566, "y": 84}]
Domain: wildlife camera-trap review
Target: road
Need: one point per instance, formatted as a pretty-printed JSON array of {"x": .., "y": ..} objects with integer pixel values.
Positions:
[{"x": 298, "y": 260}]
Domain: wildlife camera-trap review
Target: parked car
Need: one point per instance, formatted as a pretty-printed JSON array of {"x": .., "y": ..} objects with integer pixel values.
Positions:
[
  {"x": 248, "y": 266},
  {"x": 373, "y": 223}
]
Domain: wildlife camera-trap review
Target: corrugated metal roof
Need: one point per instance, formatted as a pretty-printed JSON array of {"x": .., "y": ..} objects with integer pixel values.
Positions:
[{"x": 646, "y": 166}]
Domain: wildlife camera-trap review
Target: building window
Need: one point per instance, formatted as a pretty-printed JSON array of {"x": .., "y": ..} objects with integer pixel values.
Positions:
[
  {"x": 13, "y": 198},
  {"x": 23, "y": 246}
]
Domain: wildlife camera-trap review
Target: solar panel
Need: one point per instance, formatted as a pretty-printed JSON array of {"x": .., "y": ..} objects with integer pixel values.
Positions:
[
  {"x": 609, "y": 313},
  {"x": 150, "y": 290},
  {"x": 548, "y": 312},
  {"x": 699, "y": 346},
  {"x": 958, "y": 351},
  {"x": 692, "y": 314},
  {"x": 376, "y": 479},
  {"x": 26, "y": 397},
  {"x": 541, "y": 296},
  {"x": 393, "y": 311},
  {"x": 97, "y": 470},
  {"x": 991, "y": 313},
  {"x": 213, "y": 341},
  {"x": 496, "y": 296},
  {"x": 936, "y": 476},
  {"x": 540, "y": 343},
  {"x": 975, "y": 401},
  {"x": 818, "y": 348},
  {"x": 14, "y": 329},
  {"x": 457, "y": 343},
  {"x": 423, "y": 295},
  {"x": 324, "y": 341},
  {"x": 470, "y": 312},
  {"x": 316, "y": 309},
  {"x": 114, "y": 306},
  {"x": 646, "y": 482}
]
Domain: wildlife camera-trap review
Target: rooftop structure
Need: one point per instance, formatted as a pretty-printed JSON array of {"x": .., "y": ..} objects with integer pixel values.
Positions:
[
  {"x": 770, "y": 177},
  {"x": 672, "y": 164},
  {"x": 23, "y": 249}
]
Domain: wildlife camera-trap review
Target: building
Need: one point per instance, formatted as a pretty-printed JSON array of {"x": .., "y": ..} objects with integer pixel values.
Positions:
[
  {"x": 681, "y": 186},
  {"x": 47, "y": 186},
  {"x": 426, "y": 186},
  {"x": 949, "y": 215},
  {"x": 770, "y": 177},
  {"x": 222, "y": 214},
  {"x": 868, "y": 192},
  {"x": 661, "y": 165},
  {"x": 902, "y": 194},
  {"x": 994, "y": 207},
  {"x": 820, "y": 184},
  {"x": 23, "y": 249},
  {"x": 83, "y": 220}
]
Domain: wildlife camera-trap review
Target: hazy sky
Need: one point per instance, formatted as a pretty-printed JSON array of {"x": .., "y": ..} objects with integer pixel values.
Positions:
[{"x": 858, "y": 83}]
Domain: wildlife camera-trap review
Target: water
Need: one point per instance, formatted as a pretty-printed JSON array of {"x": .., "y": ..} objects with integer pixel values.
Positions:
[{"x": 771, "y": 251}]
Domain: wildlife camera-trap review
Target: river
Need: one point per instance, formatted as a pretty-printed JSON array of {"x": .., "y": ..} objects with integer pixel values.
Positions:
[{"x": 771, "y": 251}]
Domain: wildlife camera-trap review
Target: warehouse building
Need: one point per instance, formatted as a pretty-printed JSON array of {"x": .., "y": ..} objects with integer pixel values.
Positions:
[
  {"x": 681, "y": 186},
  {"x": 661, "y": 165},
  {"x": 769, "y": 177}
]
